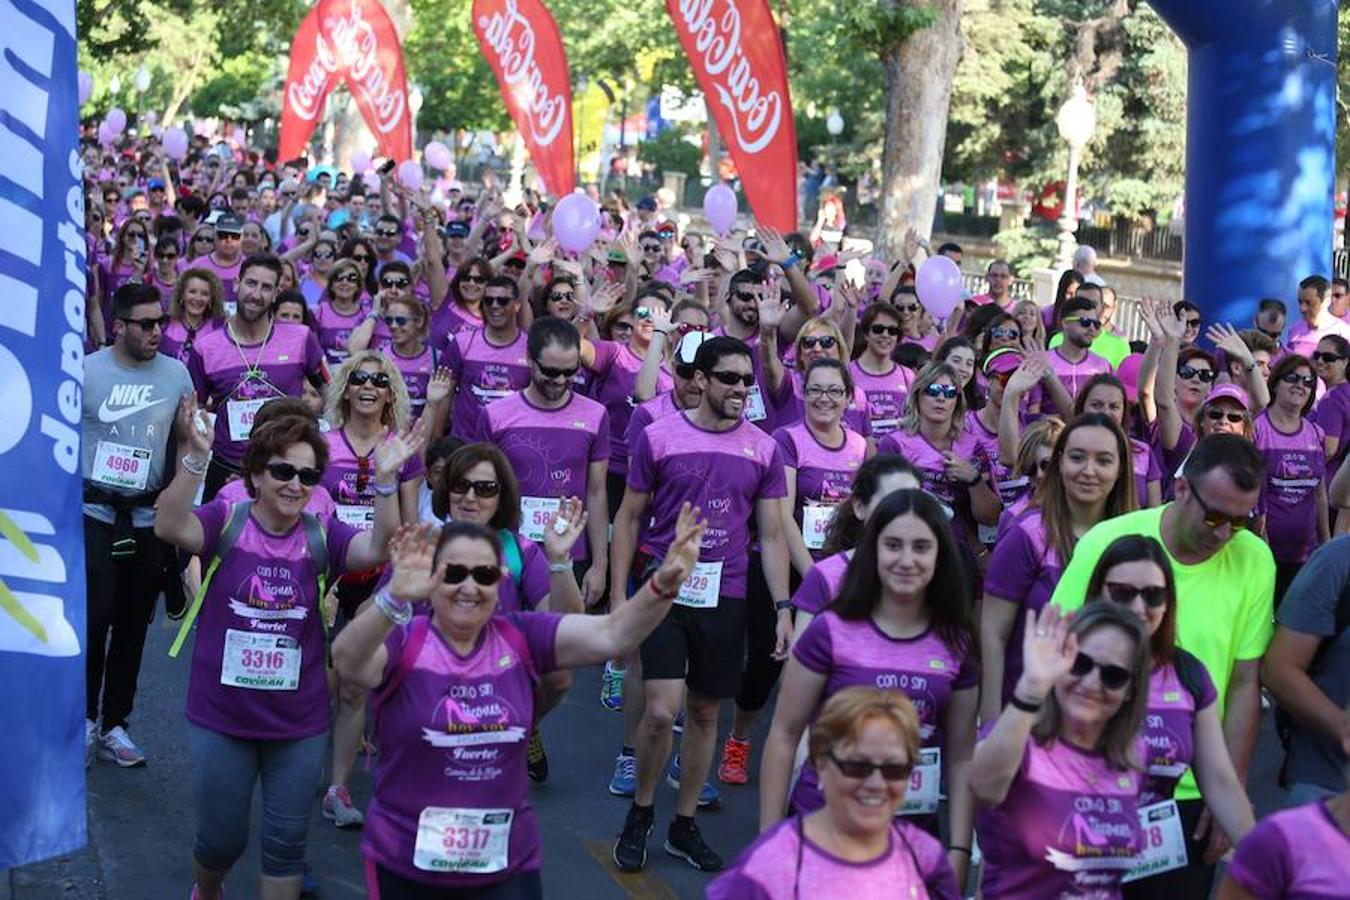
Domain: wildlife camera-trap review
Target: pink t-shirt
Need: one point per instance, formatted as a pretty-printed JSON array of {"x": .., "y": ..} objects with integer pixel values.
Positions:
[
  {"x": 484, "y": 373},
  {"x": 178, "y": 340},
  {"x": 1333, "y": 415},
  {"x": 821, "y": 583},
  {"x": 1303, "y": 339},
  {"x": 824, "y": 477},
  {"x": 1296, "y": 854},
  {"x": 1023, "y": 570},
  {"x": 334, "y": 328},
  {"x": 616, "y": 369},
  {"x": 416, "y": 371},
  {"x": 350, "y": 478},
  {"x": 1074, "y": 375},
  {"x": 1296, "y": 467},
  {"x": 228, "y": 274},
  {"x": 885, "y": 395}
]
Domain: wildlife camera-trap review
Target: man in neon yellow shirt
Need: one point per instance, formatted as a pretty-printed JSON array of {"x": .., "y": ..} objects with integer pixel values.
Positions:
[
  {"x": 1107, "y": 344},
  {"x": 1225, "y": 582}
]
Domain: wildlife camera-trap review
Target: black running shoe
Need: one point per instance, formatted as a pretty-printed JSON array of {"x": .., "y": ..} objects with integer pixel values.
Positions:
[
  {"x": 536, "y": 760},
  {"x": 685, "y": 842},
  {"x": 630, "y": 850}
]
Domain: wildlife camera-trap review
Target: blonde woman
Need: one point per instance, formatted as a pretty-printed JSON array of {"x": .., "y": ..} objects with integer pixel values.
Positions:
[
  {"x": 784, "y": 390},
  {"x": 367, "y": 407}
]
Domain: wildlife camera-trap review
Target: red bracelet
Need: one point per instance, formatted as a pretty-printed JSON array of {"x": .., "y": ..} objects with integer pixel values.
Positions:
[{"x": 663, "y": 593}]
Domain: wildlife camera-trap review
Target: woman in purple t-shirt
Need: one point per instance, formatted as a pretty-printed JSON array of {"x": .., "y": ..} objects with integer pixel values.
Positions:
[
  {"x": 1181, "y": 729},
  {"x": 1296, "y": 470},
  {"x": 1332, "y": 412},
  {"x": 341, "y": 311},
  {"x": 456, "y": 695},
  {"x": 784, "y": 389},
  {"x": 1087, "y": 481},
  {"x": 1105, "y": 394},
  {"x": 865, "y": 745},
  {"x": 197, "y": 309},
  {"x": 900, "y": 622},
  {"x": 884, "y": 381},
  {"x": 258, "y": 695},
  {"x": 1058, "y": 774}
]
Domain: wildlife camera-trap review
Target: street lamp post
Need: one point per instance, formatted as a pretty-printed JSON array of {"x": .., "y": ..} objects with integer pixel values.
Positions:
[{"x": 1076, "y": 120}]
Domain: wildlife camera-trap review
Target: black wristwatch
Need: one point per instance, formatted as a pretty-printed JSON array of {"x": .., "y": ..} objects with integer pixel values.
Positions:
[{"x": 780, "y": 605}]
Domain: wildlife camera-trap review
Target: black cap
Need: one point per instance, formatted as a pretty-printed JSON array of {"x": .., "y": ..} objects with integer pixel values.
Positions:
[{"x": 229, "y": 223}]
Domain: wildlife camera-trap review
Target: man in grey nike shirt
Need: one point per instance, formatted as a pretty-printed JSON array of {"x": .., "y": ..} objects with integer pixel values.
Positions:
[{"x": 131, "y": 396}]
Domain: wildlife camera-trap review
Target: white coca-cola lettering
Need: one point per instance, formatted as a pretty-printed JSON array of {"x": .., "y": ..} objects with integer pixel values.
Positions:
[
  {"x": 755, "y": 118},
  {"x": 358, "y": 51},
  {"x": 511, "y": 37},
  {"x": 306, "y": 95}
]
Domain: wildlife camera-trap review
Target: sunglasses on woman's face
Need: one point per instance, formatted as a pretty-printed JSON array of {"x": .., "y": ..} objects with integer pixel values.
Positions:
[
  {"x": 1329, "y": 359},
  {"x": 475, "y": 279},
  {"x": 1308, "y": 381},
  {"x": 484, "y": 489},
  {"x": 284, "y": 472},
  {"x": 1113, "y": 677},
  {"x": 862, "y": 769},
  {"x": 824, "y": 342},
  {"x": 1218, "y": 415},
  {"x": 1124, "y": 594},
  {"x": 322, "y": 255},
  {"x": 560, "y": 296},
  {"x": 1005, "y": 334},
  {"x": 945, "y": 391},
  {"x": 361, "y": 377},
  {"x": 394, "y": 283},
  {"x": 347, "y": 278},
  {"x": 1188, "y": 373},
  {"x": 482, "y": 575},
  {"x": 879, "y": 330},
  {"x": 359, "y": 258},
  {"x": 400, "y": 321},
  {"x": 907, "y": 307}
]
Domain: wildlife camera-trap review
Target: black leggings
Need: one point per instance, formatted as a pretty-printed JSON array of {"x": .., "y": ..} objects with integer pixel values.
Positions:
[
  {"x": 761, "y": 636},
  {"x": 1285, "y": 573},
  {"x": 382, "y": 884},
  {"x": 1192, "y": 881}
]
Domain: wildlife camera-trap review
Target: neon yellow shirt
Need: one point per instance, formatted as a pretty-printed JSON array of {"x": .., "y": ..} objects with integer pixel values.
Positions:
[
  {"x": 1111, "y": 346},
  {"x": 1225, "y": 606}
]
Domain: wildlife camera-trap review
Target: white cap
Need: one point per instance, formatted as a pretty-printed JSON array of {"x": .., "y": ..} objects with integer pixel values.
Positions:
[{"x": 689, "y": 345}]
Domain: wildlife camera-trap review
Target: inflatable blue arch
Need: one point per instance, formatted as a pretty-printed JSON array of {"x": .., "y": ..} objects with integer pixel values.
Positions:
[{"x": 1260, "y": 148}]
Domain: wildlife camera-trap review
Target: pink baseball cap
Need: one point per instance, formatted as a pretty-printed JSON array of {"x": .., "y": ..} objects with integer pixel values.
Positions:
[
  {"x": 1229, "y": 392},
  {"x": 1004, "y": 359},
  {"x": 1128, "y": 373}
]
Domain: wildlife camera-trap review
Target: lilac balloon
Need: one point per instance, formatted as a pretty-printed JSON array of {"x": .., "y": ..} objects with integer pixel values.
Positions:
[
  {"x": 116, "y": 119},
  {"x": 938, "y": 284},
  {"x": 175, "y": 143},
  {"x": 360, "y": 161},
  {"x": 371, "y": 180},
  {"x": 576, "y": 222},
  {"x": 719, "y": 208},
  {"x": 105, "y": 136},
  {"x": 437, "y": 156},
  {"x": 85, "y": 86},
  {"x": 410, "y": 175}
]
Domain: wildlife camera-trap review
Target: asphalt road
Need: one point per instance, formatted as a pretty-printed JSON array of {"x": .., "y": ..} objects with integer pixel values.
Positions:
[{"x": 141, "y": 820}]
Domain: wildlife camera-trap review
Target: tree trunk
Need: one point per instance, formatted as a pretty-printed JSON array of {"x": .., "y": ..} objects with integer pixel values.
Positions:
[{"x": 918, "y": 94}]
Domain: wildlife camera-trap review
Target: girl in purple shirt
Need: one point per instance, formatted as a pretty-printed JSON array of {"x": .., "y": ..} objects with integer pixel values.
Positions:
[
  {"x": 1057, "y": 775},
  {"x": 884, "y": 381},
  {"x": 1105, "y": 394},
  {"x": 258, "y": 694},
  {"x": 341, "y": 311},
  {"x": 1296, "y": 470},
  {"x": 461, "y": 305},
  {"x": 820, "y": 458},
  {"x": 407, "y": 347},
  {"x": 900, "y": 623},
  {"x": 1332, "y": 412},
  {"x": 197, "y": 309},
  {"x": 1086, "y": 482},
  {"x": 456, "y": 694},
  {"x": 1181, "y": 729}
]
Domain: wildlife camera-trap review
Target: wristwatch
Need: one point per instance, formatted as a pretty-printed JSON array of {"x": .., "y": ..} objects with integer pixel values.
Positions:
[{"x": 780, "y": 605}]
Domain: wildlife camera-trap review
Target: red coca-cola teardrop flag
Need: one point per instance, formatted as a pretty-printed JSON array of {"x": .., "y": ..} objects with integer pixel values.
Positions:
[
  {"x": 523, "y": 46},
  {"x": 351, "y": 41},
  {"x": 736, "y": 52}
]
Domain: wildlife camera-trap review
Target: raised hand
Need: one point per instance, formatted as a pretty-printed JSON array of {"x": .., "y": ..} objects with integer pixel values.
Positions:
[
  {"x": 628, "y": 243},
  {"x": 440, "y": 385},
  {"x": 412, "y": 550},
  {"x": 193, "y": 428},
  {"x": 564, "y": 527},
  {"x": 1048, "y": 652},
  {"x": 847, "y": 296},
  {"x": 771, "y": 309},
  {"x": 1027, "y": 376},
  {"x": 683, "y": 552},
  {"x": 660, "y": 319},
  {"x": 1226, "y": 338},
  {"x": 775, "y": 248},
  {"x": 604, "y": 297},
  {"x": 393, "y": 453},
  {"x": 544, "y": 252},
  {"x": 726, "y": 254},
  {"x": 912, "y": 243},
  {"x": 693, "y": 276}
]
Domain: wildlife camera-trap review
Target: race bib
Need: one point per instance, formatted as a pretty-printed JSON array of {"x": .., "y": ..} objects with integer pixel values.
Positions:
[
  {"x": 489, "y": 395},
  {"x": 924, "y": 782},
  {"x": 230, "y": 308},
  {"x": 239, "y": 414},
  {"x": 463, "y": 840},
  {"x": 260, "y": 662},
  {"x": 1164, "y": 845},
  {"x": 703, "y": 586},
  {"x": 754, "y": 405},
  {"x": 988, "y": 534},
  {"x": 815, "y": 522},
  {"x": 121, "y": 466},
  {"x": 883, "y": 427},
  {"x": 535, "y": 513},
  {"x": 362, "y": 517}
]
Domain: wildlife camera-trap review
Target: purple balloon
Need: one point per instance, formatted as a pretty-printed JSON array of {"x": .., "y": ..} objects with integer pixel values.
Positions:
[
  {"x": 719, "y": 208},
  {"x": 437, "y": 156},
  {"x": 105, "y": 136},
  {"x": 410, "y": 175},
  {"x": 371, "y": 180},
  {"x": 576, "y": 222},
  {"x": 116, "y": 119},
  {"x": 85, "y": 85},
  {"x": 175, "y": 143},
  {"x": 360, "y": 161},
  {"x": 938, "y": 284}
]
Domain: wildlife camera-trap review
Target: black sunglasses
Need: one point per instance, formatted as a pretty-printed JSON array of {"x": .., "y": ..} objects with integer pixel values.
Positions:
[
  {"x": 1113, "y": 677},
  {"x": 484, "y": 489},
  {"x": 1215, "y": 519},
  {"x": 879, "y": 330},
  {"x": 745, "y": 296},
  {"x": 284, "y": 471},
  {"x": 907, "y": 307},
  {"x": 1085, "y": 321},
  {"x": 651, "y": 248},
  {"x": 400, "y": 321},
  {"x": 550, "y": 372},
  {"x": 1328, "y": 358},
  {"x": 384, "y": 232},
  {"x": 1218, "y": 415},
  {"x": 376, "y": 379},
  {"x": 733, "y": 378},
  {"x": 348, "y": 278},
  {"x": 945, "y": 391},
  {"x": 484, "y": 575},
  {"x": 498, "y": 300},
  {"x": 394, "y": 282},
  {"x": 1186, "y": 373},
  {"x": 1124, "y": 594},
  {"x": 557, "y": 296},
  {"x": 1307, "y": 381},
  {"x": 862, "y": 769},
  {"x": 685, "y": 370},
  {"x": 359, "y": 258},
  {"x": 1192, "y": 323},
  {"x": 475, "y": 279},
  {"x": 316, "y": 255},
  {"x": 1005, "y": 334},
  {"x": 149, "y": 324},
  {"x": 824, "y": 342}
]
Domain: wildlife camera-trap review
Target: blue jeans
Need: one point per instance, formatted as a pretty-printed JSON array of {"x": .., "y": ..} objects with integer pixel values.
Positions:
[{"x": 224, "y": 770}]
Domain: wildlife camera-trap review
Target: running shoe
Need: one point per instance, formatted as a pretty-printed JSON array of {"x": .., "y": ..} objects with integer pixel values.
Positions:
[
  {"x": 536, "y": 760},
  {"x": 630, "y": 850},
  {"x": 683, "y": 841},
  {"x": 735, "y": 759},
  {"x": 611, "y": 688},
  {"x": 339, "y": 809},
  {"x": 708, "y": 795},
  {"x": 624, "y": 782},
  {"x": 116, "y": 746},
  {"x": 90, "y": 741}
]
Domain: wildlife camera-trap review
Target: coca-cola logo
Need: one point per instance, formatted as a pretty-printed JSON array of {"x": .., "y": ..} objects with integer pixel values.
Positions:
[
  {"x": 307, "y": 94},
  {"x": 755, "y": 116},
  {"x": 511, "y": 37},
  {"x": 357, "y": 49}
]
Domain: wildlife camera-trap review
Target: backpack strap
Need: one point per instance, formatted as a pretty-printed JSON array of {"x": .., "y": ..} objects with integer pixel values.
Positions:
[
  {"x": 412, "y": 646},
  {"x": 515, "y": 562},
  {"x": 518, "y": 643},
  {"x": 229, "y": 536},
  {"x": 1191, "y": 673}
]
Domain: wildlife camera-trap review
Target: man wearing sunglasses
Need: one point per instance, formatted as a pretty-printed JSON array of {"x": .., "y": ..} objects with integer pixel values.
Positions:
[
  {"x": 490, "y": 363},
  {"x": 1317, "y": 318},
  {"x": 1073, "y": 361},
  {"x": 238, "y": 368},
  {"x": 1225, "y": 582},
  {"x": 1107, "y": 344},
  {"x": 713, "y": 459},
  {"x": 131, "y": 394},
  {"x": 388, "y": 236}
]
